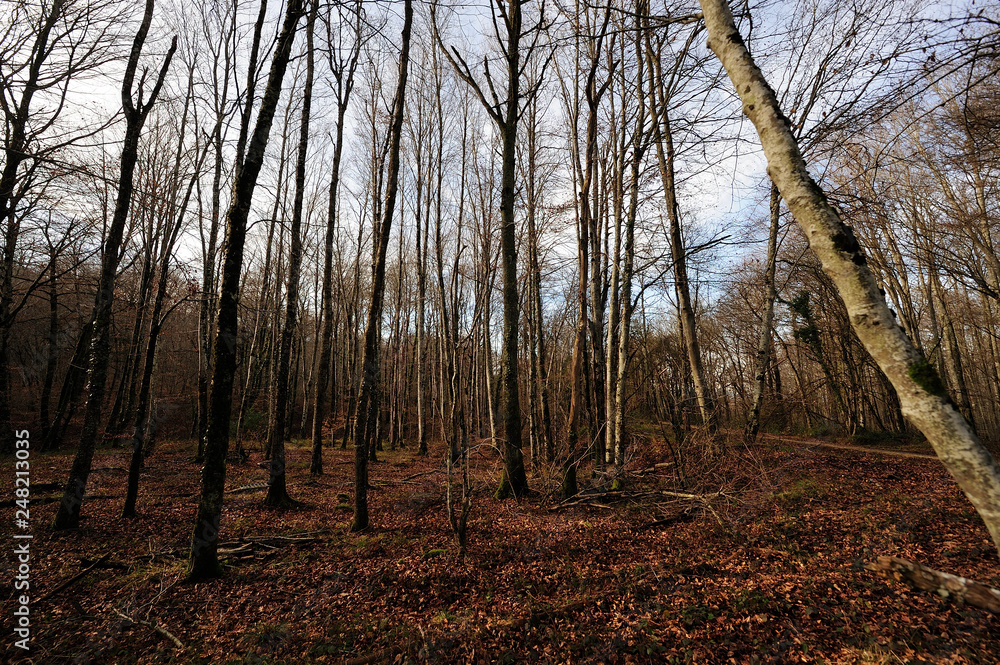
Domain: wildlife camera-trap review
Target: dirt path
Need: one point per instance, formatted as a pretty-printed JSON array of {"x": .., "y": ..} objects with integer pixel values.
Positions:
[{"x": 817, "y": 443}]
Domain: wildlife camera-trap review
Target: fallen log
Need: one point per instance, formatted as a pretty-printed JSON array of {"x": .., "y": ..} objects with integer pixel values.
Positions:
[{"x": 945, "y": 585}]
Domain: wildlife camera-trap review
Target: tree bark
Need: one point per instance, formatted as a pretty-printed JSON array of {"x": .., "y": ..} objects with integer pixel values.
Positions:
[
  {"x": 205, "y": 538},
  {"x": 763, "y": 356},
  {"x": 143, "y": 426},
  {"x": 344, "y": 75},
  {"x": 921, "y": 394},
  {"x": 514, "y": 481},
  {"x": 368, "y": 406},
  {"x": 277, "y": 493},
  {"x": 68, "y": 515}
]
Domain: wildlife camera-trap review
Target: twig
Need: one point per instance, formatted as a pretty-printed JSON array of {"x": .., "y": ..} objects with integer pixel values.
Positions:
[{"x": 155, "y": 626}]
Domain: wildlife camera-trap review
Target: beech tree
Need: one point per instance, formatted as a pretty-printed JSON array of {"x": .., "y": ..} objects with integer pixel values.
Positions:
[
  {"x": 277, "y": 495},
  {"x": 343, "y": 68},
  {"x": 204, "y": 542},
  {"x": 505, "y": 113},
  {"x": 135, "y": 113},
  {"x": 369, "y": 403},
  {"x": 921, "y": 394}
]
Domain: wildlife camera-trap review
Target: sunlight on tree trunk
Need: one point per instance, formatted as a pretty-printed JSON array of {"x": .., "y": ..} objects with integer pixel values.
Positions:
[{"x": 921, "y": 393}]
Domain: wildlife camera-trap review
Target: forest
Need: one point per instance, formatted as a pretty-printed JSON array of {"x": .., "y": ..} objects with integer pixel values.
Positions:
[{"x": 508, "y": 331}]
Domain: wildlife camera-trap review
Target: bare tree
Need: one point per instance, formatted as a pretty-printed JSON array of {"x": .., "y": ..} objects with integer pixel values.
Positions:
[
  {"x": 144, "y": 427},
  {"x": 369, "y": 407},
  {"x": 342, "y": 67},
  {"x": 505, "y": 113},
  {"x": 135, "y": 112},
  {"x": 277, "y": 494},
  {"x": 204, "y": 542},
  {"x": 921, "y": 394},
  {"x": 43, "y": 49}
]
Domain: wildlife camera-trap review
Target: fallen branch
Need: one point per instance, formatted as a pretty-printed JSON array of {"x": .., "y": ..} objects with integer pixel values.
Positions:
[
  {"x": 54, "y": 499},
  {"x": 246, "y": 489},
  {"x": 593, "y": 500},
  {"x": 250, "y": 546},
  {"x": 944, "y": 584},
  {"x": 104, "y": 564},
  {"x": 655, "y": 468},
  {"x": 155, "y": 626},
  {"x": 76, "y": 578},
  {"x": 423, "y": 473},
  {"x": 685, "y": 516},
  {"x": 685, "y": 495}
]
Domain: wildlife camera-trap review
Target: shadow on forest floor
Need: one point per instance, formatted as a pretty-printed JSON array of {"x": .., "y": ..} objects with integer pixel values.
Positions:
[{"x": 766, "y": 569}]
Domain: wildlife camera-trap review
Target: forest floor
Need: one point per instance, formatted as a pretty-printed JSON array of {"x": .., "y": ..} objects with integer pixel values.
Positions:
[{"x": 764, "y": 565}]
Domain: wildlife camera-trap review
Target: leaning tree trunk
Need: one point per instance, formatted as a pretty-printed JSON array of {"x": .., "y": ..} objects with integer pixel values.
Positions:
[
  {"x": 68, "y": 515},
  {"x": 689, "y": 331},
  {"x": 205, "y": 539},
  {"x": 921, "y": 394},
  {"x": 143, "y": 426},
  {"x": 368, "y": 395}
]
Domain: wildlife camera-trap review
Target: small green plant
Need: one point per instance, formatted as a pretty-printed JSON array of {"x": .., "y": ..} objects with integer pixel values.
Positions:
[{"x": 801, "y": 489}]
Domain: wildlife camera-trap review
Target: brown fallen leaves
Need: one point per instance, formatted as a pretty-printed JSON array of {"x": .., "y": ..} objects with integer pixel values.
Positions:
[{"x": 652, "y": 579}]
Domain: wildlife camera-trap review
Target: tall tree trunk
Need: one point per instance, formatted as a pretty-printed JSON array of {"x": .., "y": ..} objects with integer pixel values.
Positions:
[
  {"x": 277, "y": 492},
  {"x": 763, "y": 357},
  {"x": 142, "y": 425},
  {"x": 422, "y": 297},
  {"x": 640, "y": 144},
  {"x": 514, "y": 481},
  {"x": 344, "y": 75},
  {"x": 72, "y": 386},
  {"x": 52, "y": 357},
  {"x": 584, "y": 238},
  {"x": 14, "y": 156},
  {"x": 689, "y": 333},
  {"x": 68, "y": 515},
  {"x": 205, "y": 538},
  {"x": 921, "y": 394},
  {"x": 124, "y": 403},
  {"x": 368, "y": 394}
]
